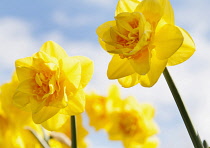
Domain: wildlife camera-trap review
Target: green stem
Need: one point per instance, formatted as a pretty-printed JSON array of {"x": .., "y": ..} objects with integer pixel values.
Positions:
[
  {"x": 205, "y": 144},
  {"x": 193, "y": 134},
  {"x": 73, "y": 132}
]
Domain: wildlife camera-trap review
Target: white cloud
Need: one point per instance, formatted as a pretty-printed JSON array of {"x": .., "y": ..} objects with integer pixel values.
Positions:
[
  {"x": 103, "y": 3},
  {"x": 16, "y": 42},
  {"x": 68, "y": 20}
]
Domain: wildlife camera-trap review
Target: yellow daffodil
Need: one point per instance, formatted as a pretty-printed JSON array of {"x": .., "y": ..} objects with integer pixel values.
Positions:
[
  {"x": 143, "y": 41},
  {"x": 98, "y": 108},
  {"x": 14, "y": 121},
  {"x": 125, "y": 120},
  {"x": 133, "y": 124},
  {"x": 51, "y": 84}
]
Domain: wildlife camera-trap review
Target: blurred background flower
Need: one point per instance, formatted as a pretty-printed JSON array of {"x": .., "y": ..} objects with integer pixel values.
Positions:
[
  {"x": 25, "y": 25},
  {"x": 14, "y": 121}
]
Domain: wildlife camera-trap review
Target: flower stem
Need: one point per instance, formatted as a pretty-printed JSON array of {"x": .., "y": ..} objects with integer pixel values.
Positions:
[
  {"x": 193, "y": 134},
  {"x": 205, "y": 144},
  {"x": 73, "y": 132}
]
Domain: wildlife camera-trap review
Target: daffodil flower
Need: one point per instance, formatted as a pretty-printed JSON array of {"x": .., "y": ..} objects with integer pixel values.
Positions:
[
  {"x": 125, "y": 120},
  {"x": 143, "y": 40},
  {"x": 98, "y": 108},
  {"x": 51, "y": 84}
]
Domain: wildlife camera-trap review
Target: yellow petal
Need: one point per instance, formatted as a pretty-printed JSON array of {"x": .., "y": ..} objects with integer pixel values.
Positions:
[
  {"x": 167, "y": 41},
  {"x": 36, "y": 104},
  {"x": 168, "y": 15},
  {"x": 44, "y": 60},
  {"x": 184, "y": 52},
  {"x": 105, "y": 46},
  {"x": 156, "y": 68},
  {"x": 129, "y": 81},
  {"x": 114, "y": 92},
  {"x": 103, "y": 32},
  {"x": 27, "y": 86},
  {"x": 54, "y": 50},
  {"x": 104, "y": 28},
  {"x": 72, "y": 70},
  {"x": 152, "y": 10},
  {"x": 24, "y": 62},
  {"x": 24, "y": 68},
  {"x": 87, "y": 69},
  {"x": 141, "y": 63},
  {"x": 119, "y": 68},
  {"x": 44, "y": 114},
  {"x": 76, "y": 104},
  {"x": 21, "y": 99},
  {"x": 151, "y": 142},
  {"x": 148, "y": 111},
  {"x": 126, "y": 6},
  {"x": 55, "y": 122}
]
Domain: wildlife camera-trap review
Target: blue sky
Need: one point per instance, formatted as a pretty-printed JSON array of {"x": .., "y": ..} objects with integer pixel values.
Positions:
[{"x": 26, "y": 25}]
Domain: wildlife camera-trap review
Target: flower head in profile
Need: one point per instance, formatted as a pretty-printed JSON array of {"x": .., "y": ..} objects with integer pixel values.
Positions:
[
  {"x": 143, "y": 41},
  {"x": 51, "y": 83}
]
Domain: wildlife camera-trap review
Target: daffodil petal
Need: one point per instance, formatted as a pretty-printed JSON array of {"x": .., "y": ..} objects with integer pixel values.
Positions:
[
  {"x": 152, "y": 10},
  {"x": 141, "y": 63},
  {"x": 126, "y": 6},
  {"x": 21, "y": 99},
  {"x": 45, "y": 59},
  {"x": 44, "y": 114},
  {"x": 168, "y": 14},
  {"x": 54, "y": 50},
  {"x": 114, "y": 92},
  {"x": 76, "y": 104},
  {"x": 22, "y": 70},
  {"x": 55, "y": 122},
  {"x": 119, "y": 68},
  {"x": 87, "y": 69},
  {"x": 156, "y": 68},
  {"x": 104, "y": 28},
  {"x": 148, "y": 111},
  {"x": 129, "y": 81},
  {"x": 184, "y": 52},
  {"x": 151, "y": 142},
  {"x": 103, "y": 31},
  {"x": 27, "y": 86},
  {"x": 72, "y": 70},
  {"x": 167, "y": 41}
]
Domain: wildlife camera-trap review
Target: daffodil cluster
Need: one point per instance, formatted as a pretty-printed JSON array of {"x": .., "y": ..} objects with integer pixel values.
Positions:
[
  {"x": 143, "y": 40},
  {"x": 125, "y": 120}
]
